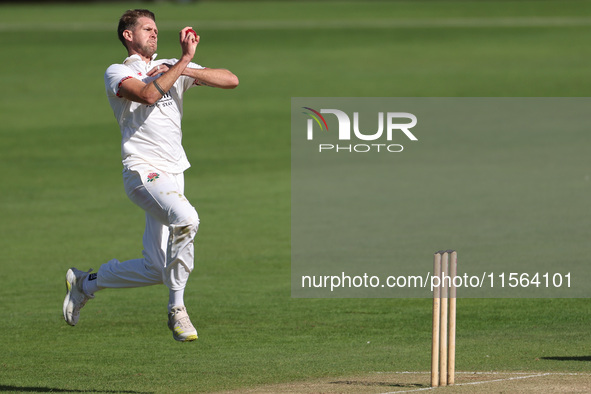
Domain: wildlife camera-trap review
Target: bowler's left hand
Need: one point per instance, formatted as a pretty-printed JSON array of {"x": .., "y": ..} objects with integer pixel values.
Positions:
[{"x": 160, "y": 69}]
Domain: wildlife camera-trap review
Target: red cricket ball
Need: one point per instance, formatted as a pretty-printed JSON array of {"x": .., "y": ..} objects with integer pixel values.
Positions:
[{"x": 192, "y": 31}]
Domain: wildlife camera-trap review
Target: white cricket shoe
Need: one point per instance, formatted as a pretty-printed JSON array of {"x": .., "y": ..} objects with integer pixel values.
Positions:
[
  {"x": 180, "y": 325},
  {"x": 75, "y": 297}
]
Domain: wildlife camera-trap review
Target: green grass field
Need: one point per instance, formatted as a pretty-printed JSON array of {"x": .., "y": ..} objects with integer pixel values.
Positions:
[{"x": 62, "y": 202}]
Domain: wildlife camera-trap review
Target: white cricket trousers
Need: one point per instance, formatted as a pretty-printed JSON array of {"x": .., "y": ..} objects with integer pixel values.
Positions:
[{"x": 171, "y": 226}]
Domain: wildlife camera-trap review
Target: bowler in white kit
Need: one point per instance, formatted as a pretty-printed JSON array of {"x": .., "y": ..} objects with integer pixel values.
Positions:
[{"x": 146, "y": 96}]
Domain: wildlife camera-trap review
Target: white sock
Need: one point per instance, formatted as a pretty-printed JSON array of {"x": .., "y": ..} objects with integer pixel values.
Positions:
[
  {"x": 90, "y": 284},
  {"x": 176, "y": 298}
]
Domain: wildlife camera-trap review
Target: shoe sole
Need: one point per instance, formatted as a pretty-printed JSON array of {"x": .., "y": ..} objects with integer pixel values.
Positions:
[
  {"x": 70, "y": 277},
  {"x": 189, "y": 338}
]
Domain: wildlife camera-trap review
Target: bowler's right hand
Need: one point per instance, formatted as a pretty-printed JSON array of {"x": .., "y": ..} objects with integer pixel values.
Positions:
[{"x": 189, "y": 41}]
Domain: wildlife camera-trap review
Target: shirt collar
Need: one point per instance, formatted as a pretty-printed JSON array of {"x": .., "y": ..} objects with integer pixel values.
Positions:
[{"x": 136, "y": 58}]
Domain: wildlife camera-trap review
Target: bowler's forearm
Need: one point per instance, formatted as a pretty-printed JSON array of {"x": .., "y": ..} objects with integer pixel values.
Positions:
[
  {"x": 164, "y": 83},
  {"x": 167, "y": 80},
  {"x": 215, "y": 77}
]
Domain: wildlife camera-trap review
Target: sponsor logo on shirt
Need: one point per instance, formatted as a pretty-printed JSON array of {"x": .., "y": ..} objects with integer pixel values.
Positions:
[{"x": 164, "y": 101}]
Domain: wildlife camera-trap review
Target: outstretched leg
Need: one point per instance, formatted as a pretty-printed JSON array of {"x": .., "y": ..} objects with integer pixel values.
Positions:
[{"x": 171, "y": 226}]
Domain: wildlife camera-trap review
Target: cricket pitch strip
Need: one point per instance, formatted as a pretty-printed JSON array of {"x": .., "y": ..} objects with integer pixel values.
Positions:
[{"x": 466, "y": 382}]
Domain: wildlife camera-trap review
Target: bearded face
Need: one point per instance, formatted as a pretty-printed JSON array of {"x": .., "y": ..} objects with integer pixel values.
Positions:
[{"x": 143, "y": 38}]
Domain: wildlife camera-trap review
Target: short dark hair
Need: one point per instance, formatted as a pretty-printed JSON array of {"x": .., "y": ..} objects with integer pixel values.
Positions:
[{"x": 129, "y": 19}]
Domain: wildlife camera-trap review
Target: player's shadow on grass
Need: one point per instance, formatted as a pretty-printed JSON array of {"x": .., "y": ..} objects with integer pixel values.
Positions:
[
  {"x": 568, "y": 358},
  {"x": 383, "y": 384},
  {"x": 17, "y": 389}
]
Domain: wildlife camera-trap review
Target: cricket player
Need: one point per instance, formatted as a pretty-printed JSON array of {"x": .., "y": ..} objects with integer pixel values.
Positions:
[{"x": 146, "y": 96}]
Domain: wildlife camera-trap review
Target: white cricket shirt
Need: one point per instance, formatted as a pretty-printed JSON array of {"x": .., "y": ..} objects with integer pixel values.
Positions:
[{"x": 149, "y": 133}]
